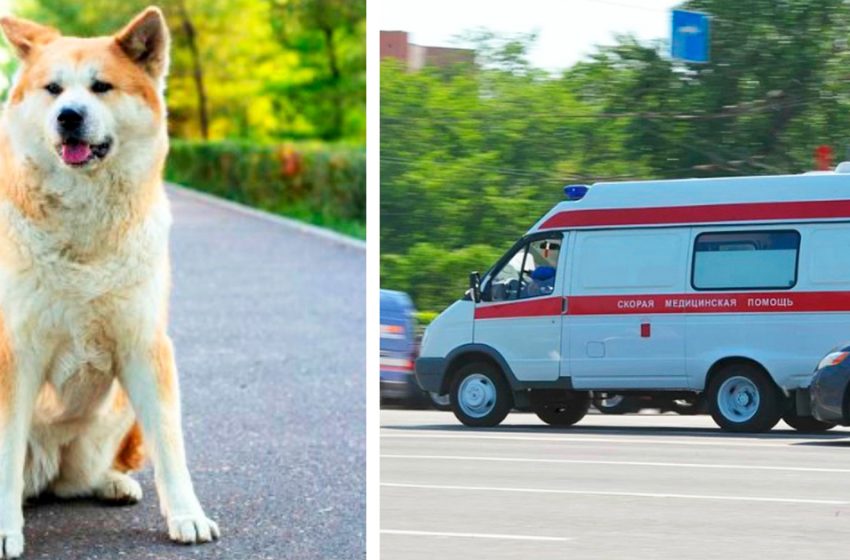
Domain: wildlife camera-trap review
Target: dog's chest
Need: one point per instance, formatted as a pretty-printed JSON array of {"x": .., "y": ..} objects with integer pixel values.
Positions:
[
  {"x": 77, "y": 300},
  {"x": 78, "y": 315}
]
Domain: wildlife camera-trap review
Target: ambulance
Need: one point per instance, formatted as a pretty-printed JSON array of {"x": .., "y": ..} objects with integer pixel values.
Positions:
[{"x": 720, "y": 293}]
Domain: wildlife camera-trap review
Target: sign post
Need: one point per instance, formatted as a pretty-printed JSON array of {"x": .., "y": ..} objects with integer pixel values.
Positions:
[{"x": 690, "y": 36}]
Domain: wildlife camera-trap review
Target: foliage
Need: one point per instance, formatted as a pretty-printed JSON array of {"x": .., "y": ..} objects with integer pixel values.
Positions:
[
  {"x": 424, "y": 318},
  {"x": 257, "y": 71},
  {"x": 472, "y": 156},
  {"x": 320, "y": 183},
  {"x": 329, "y": 37},
  {"x": 254, "y": 84}
]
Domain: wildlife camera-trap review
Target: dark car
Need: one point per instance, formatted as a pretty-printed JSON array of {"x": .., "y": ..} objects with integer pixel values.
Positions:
[
  {"x": 829, "y": 388},
  {"x": 398, "y": 349}
]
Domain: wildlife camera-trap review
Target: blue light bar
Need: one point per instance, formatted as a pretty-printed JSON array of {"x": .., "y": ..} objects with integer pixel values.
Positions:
[{"x": 575, "y": 192}]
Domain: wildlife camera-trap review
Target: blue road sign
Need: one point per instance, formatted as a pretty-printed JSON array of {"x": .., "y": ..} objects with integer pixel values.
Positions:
[{"x": 690, "y": 36}]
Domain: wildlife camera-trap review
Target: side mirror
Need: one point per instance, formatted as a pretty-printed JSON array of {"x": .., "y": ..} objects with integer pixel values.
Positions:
[{"x": 475, "y": 286}]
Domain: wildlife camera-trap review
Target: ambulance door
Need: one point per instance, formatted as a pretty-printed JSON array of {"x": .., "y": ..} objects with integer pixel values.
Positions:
[
  {"x": 519, "y": 314},
  {"x": 621, "y": 328}
]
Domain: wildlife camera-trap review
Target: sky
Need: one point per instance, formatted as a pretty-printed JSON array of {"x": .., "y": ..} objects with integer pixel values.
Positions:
[{"x": 567, "y": 30}]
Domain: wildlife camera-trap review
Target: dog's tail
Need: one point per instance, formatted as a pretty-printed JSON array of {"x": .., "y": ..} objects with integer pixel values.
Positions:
[{"x": 131, "y": 454}]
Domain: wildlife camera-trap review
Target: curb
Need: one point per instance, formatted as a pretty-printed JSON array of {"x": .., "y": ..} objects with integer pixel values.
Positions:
[{"x": 269, "y": 217}]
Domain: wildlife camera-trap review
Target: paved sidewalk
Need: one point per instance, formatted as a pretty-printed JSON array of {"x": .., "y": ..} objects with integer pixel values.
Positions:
[{"x": 269, "y": 329}]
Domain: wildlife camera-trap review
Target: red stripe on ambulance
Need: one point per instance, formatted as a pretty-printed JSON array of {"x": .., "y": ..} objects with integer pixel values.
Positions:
[
  {"x": 538, "y": 307},
  {"x": 739, "y": 302},
  {"x": 701, "y": 214}
]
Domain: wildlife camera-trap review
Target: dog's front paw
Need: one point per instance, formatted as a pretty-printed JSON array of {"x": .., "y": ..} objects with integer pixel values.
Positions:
[
  {"x": 191, "y": 529},
  {"x": 11, "y": 545}
]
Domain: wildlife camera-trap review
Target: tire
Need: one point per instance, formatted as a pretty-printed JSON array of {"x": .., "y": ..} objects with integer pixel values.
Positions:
[
  {"x": 615, "y": 404},
  {"x": 743, "y": 398},
  {"x": 440, "y": 402},
  {"x": 479, "y": 396},
  {"x": 564, "y": 412},
  {"x": 806, "y": 424}
]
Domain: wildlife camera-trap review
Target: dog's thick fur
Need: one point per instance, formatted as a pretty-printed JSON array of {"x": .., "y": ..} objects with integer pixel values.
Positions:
[{"x": 86, "y": 365}]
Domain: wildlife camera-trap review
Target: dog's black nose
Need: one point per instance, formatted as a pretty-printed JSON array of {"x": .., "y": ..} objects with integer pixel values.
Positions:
[{"x": 69, "y": 120}]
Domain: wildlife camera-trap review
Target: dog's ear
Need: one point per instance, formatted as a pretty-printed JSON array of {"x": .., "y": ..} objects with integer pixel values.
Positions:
[
  {"x": 26, "y": 36},
  {"x": 145, "y": 40}
]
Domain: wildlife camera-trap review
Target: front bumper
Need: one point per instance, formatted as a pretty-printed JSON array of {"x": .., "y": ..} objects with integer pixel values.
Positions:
[
  {"x": 829, "y": 385},
  {"x": 430, "y": 373}
]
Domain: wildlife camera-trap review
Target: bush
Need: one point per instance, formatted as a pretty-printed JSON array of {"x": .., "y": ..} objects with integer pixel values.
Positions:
[
  {"x": 435, "y": 277},
  {"x": 321, "y": 183},
  {"x": 424, "y": 318}
]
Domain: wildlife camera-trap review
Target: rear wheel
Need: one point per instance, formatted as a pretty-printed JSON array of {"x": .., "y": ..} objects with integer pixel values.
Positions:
[
  {"x": 480, "y": 396},
  {"x": 614, "y": 404},
  {"x": 565, "y": 409},
  {"x": 806, "y": 423},
  {"x": 742, "y": 398}
]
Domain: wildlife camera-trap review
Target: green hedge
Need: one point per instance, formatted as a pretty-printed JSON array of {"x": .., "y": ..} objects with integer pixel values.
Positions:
[
  {"x": 433, "y": 276},
  {"x": 324, "y": 184}
]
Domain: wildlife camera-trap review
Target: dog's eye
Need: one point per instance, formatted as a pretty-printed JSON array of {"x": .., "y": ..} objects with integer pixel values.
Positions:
[
  {"x": 100, "y": 87},
  {"x": 53, "y": 88}
]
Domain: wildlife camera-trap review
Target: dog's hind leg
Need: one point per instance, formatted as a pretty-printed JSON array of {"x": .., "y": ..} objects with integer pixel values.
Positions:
[
  {"x": 118, "y": 486},
  {"x": 91, "y": 464}
]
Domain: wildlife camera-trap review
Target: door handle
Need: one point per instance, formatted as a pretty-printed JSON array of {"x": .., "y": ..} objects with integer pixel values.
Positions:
[{"x": 563, "y": 306}]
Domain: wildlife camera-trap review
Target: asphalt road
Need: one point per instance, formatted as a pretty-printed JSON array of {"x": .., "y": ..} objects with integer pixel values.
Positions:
[
  {"x": 269, "y": 327},
  {"x": 619, "y": 487}
]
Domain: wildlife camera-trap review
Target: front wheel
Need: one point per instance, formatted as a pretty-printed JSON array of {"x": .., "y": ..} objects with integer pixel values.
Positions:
[
  {"x": 743, "y": 398},
  {"x": 479, "y": 396}
]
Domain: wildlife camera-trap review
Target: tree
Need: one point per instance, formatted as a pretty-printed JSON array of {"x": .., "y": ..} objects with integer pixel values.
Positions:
[
  {"x": 470, "y": 158},
  {"x": 231, "y": 75},
  {"x": 328, "y": 34}
]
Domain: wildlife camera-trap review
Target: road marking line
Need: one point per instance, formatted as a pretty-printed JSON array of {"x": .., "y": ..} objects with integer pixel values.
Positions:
[
  {"x": 623, "y": 463},
  {"x": 473, "y": 535},
  {"x": 617, "y": 494},
  {"x": 581, "y": 439}
]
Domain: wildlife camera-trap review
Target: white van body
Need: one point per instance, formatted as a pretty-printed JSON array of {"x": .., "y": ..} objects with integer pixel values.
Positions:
[{"x": 659, "y": 282}]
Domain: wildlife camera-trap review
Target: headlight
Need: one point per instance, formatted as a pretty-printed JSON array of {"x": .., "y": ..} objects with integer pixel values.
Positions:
[{"x": 832, "y": 359}]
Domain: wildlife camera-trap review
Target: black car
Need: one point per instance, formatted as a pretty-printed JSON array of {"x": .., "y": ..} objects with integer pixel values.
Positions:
[{"x": 829, "y": 389}]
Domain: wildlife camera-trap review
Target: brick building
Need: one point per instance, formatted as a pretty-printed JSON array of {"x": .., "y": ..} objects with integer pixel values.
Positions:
[{"x": 395, "y": 44}]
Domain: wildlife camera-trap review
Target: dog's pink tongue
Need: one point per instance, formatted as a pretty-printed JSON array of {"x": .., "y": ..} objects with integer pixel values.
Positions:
[{"x": 75, "y": 153}]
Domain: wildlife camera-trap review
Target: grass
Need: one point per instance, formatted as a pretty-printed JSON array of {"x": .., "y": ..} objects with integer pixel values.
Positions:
[{"x": 302, "y": 213}]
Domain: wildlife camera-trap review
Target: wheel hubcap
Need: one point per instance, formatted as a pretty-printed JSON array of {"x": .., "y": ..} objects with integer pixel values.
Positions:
[
  {"x": 738, "y": 399},
  {"x": 612, "y": 401},
  {"x": 476, "y": 395}
]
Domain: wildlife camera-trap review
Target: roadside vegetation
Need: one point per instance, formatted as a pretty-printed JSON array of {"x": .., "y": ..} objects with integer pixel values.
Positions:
[
  {"x": 266, "y": 98},
  {"x": 472, "y": 156}
]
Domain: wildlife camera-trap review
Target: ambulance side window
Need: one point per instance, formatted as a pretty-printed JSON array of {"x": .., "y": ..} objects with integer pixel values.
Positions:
[
  {"x": 746, "y": 260},
  {"x": 529, "y": 272}
]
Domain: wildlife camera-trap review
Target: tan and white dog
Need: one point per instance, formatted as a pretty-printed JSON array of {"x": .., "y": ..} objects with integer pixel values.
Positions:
[{"x": 85, "y": 360}]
